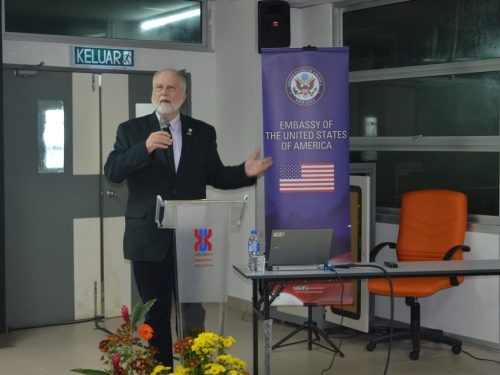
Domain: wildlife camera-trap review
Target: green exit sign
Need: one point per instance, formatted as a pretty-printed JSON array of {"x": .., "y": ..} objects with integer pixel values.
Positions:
[{"x": 103, "y": 57}]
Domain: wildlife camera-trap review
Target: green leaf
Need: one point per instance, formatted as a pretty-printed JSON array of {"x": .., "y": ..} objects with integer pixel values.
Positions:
[
  {"x": 89, "y": 372},
  {"x": 139, "y": 311}
]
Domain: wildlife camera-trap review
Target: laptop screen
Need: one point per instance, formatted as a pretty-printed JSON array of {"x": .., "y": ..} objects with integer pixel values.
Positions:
[{"x": 299, "y": 249}]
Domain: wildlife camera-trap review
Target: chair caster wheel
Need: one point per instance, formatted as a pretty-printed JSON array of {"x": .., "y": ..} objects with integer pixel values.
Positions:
[
  {"x": 456, "y": 349},
  {"x": 370, "y": 346},
  {"x": 414, "y": 355}
]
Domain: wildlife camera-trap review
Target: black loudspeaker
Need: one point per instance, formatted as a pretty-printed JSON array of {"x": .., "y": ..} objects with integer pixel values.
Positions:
[{"x": 274, "y": 24}]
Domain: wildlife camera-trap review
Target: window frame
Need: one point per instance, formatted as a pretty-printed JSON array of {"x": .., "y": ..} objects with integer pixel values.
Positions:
[
  {"x": 416, "y": 143},
  {"x": 205, "y": 46}
]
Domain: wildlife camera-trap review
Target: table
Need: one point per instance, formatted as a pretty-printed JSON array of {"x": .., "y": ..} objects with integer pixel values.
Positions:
[{"x": 485, "y": 267}]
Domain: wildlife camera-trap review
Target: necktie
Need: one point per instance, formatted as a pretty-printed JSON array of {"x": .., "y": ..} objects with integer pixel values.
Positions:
[{"x": 169, "y": 152}]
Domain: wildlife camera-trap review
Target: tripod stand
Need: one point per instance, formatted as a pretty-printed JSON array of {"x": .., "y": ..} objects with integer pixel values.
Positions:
[{"x": 311, "y": 327}]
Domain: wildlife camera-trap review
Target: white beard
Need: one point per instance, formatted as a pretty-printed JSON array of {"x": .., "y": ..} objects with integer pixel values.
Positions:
[{"x": 165, "y": 109}]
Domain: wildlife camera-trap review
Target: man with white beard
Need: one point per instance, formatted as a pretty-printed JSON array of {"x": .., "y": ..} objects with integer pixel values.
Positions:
[{"x": 177, "y": 165}]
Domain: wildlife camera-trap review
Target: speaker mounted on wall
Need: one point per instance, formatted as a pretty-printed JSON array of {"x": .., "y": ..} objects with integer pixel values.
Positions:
[{"x": 274, "y": 24}]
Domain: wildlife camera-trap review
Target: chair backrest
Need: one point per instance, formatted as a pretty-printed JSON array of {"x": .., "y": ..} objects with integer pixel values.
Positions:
[{"x": 432, "y": 222}]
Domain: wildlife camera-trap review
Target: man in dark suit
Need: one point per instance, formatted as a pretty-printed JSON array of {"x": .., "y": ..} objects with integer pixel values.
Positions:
[{"x": 177, "y": 165}]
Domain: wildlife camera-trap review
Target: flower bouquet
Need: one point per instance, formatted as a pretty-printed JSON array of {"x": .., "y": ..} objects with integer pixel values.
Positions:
[
  {"x": 124, "y": 352},
  {"x": 205, "y": 354},
  {"x": 126, "y": 355}
]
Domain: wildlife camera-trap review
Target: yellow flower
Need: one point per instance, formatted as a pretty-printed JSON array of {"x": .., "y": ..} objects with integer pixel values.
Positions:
[
  {"x": 239, "y": 364},
  {"x": 158, "y": 369},
  {"x": 214, "y": 369},
  {"x": 200, "y": 356},
  {"x": 181, "y": 370},
  {"x": 227, "y": 342},
  {"x": 229, "y": 360},
  {"x": 206, "y": 339},
  {"x": 224, "y": 359}
]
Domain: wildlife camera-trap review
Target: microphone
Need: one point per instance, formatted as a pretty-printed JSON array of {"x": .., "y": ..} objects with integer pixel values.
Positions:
[{"x": 165, "y": 126}]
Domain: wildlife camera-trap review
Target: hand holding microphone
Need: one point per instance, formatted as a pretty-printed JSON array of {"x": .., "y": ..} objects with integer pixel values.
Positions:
[{"x": 159, "y": 139}]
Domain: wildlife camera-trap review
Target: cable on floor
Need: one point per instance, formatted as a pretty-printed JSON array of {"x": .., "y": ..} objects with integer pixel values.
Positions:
[
  {"x": 341, "y": 321},
  {"x": 248, "y": 311},
  {"x": 480, "y": 359},
  {"x": 392, "y": 306}
]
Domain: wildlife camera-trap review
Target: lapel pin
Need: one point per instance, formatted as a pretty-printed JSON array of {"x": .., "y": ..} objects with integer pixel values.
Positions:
[{"x": 190, "y": 132}]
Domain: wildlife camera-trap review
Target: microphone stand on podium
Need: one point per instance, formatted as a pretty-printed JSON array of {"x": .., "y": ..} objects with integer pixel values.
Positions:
[{"x": 201, "y": 237}]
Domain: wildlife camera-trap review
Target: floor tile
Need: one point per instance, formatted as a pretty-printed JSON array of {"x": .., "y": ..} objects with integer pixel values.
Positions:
[{"x": 58, "y": 349}]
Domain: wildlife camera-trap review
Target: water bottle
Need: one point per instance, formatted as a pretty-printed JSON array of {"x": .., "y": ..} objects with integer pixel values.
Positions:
[{"x": 253, "y": 249}]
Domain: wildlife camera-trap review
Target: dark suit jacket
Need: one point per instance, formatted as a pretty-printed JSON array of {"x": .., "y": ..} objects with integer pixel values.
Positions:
[{"x": 148, "y": 176}]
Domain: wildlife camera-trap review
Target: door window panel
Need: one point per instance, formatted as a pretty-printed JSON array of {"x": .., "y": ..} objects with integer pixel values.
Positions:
[{"x": 50, "y": 136}]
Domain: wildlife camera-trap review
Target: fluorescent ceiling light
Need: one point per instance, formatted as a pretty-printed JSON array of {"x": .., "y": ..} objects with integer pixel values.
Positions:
[{"x": 166, "y": 20}]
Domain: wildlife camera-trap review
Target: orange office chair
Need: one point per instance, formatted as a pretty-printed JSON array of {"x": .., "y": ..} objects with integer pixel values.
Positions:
[{"x": 432, "y": 227}]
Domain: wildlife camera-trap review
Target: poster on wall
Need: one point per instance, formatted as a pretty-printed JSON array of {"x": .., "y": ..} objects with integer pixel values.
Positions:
[{"x": 306, "y": 131}]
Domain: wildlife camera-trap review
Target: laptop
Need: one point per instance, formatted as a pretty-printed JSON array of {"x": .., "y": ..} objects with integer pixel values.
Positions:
[{"x": 299, "y": 249}]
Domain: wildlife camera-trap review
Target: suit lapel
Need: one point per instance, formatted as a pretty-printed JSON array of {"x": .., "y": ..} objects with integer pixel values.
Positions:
[{"x": 153, "y": 126}]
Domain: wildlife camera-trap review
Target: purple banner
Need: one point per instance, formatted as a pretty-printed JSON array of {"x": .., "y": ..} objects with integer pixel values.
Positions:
[{"x": 306, "y": 131}]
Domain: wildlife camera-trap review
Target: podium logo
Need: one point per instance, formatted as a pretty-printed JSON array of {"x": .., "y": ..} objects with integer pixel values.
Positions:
[{"x": 203, "y": 244}]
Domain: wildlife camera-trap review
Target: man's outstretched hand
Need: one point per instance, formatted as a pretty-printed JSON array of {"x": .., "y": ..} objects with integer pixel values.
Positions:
[{"x": 254, "y": 165}]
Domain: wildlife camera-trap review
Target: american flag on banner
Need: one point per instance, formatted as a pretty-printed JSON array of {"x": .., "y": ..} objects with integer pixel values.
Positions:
[{"x": 307, "y": 178}]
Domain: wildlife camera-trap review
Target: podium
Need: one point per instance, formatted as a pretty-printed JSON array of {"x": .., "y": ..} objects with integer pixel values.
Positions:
[{"x": 202, "y": 230}]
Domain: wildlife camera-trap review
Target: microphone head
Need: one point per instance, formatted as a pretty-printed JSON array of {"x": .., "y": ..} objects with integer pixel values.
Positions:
[{"x": 164, "y": 124}]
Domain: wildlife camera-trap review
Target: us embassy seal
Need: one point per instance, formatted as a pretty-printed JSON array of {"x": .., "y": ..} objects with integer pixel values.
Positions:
[{"x": 305, "y": 86}]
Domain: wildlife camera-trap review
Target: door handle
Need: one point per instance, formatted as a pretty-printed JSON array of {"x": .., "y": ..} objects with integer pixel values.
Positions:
[{"x": 111, "y": 193}]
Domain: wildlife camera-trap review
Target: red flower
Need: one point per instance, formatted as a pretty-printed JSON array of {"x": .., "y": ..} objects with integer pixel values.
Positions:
[
  {"x": 116, "y": 364},
  {"x": 126, "y": 315},
  {"x": 146, "y": 332}
]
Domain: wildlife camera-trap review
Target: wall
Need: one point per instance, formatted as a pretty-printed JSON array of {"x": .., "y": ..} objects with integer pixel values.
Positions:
[
  {"x": 461, "y": 311},
  {"x": 200, "y": 64},
  {"x": 226, "y": 92},
  {"x": 315, "y": 21},
  {"x": 238, "y": 114},
  {"x": 239, "y": 105}
]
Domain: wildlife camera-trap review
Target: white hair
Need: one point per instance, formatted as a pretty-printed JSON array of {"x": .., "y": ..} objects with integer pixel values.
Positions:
[{"x": 179, "y": 74}]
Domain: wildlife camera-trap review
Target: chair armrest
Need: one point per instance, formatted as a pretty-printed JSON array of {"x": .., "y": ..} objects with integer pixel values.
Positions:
[
  {"x": 454, "y": 249},
  {"x": 449, "y": 255},
  {"x": 380, "y": 246}
]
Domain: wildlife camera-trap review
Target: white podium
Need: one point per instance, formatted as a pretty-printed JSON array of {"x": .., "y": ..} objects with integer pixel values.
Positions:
[{"x": 202, "y": 234}]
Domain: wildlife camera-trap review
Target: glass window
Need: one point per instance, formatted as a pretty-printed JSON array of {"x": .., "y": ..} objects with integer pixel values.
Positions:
[
  {"x": 476, "y": 174},
  {"x": 451, "y": 105},
  {"x": 456, "y": 113},
  {"x": 50, "y": 136},
  {"x": 421, "y": 32},
  {"x": 152, "y": 20}
]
